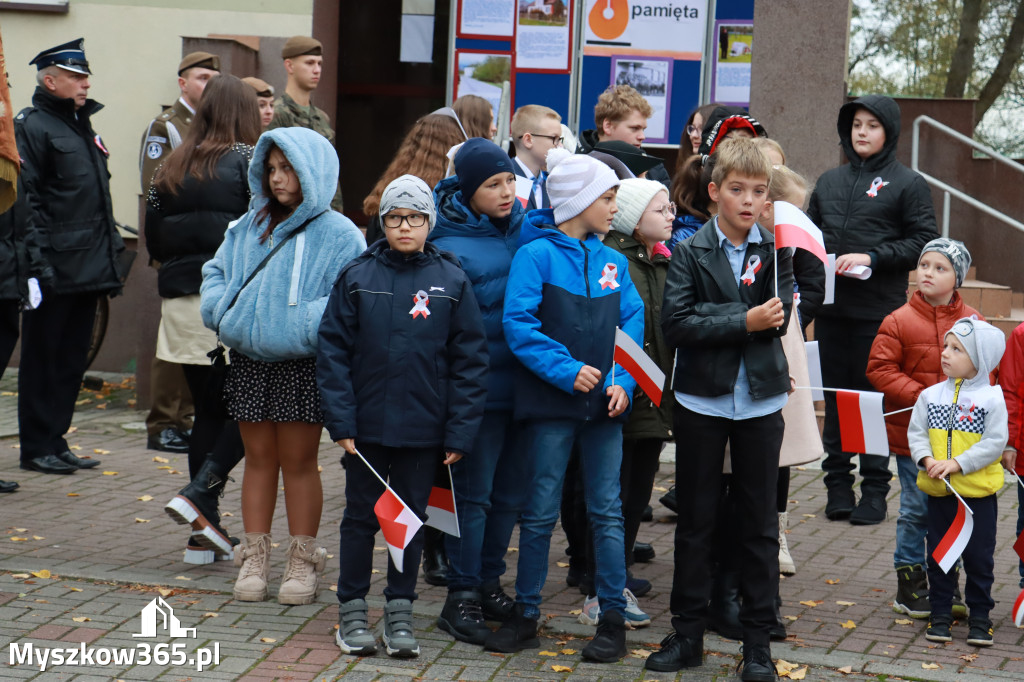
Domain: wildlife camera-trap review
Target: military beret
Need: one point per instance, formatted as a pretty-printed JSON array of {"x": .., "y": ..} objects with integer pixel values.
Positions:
[
  {"x": 296, "y": 46},
  {"x": 262, "y": 87},
  {"x": 70, "y": 56},
  {"x": 203, "y": 60}
]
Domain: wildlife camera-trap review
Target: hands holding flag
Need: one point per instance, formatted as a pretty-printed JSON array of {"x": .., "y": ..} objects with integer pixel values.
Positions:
[
  {"x": 349, "y": 446},
  {"x": 768, "y": 315},
  {"x": 589, "y": 377}
]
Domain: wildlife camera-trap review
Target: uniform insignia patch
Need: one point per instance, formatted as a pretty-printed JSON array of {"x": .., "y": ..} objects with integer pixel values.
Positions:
[
  {"x": 154, "y": 150},
  {"x": 156, "y": 138}
]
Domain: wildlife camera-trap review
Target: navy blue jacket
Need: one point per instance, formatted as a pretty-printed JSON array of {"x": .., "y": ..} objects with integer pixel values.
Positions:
[
  {"x": 485, "y": 252},
  {"x": 565, "y": 297},
  {"x": 398, "y": 370}
]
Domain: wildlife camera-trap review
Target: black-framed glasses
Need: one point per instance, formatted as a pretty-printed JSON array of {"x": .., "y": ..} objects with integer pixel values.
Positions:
[
  {"x": 393, "y": 220},
  {"x": 667, "y": 211},
  {"x": 555, "y": 139}
]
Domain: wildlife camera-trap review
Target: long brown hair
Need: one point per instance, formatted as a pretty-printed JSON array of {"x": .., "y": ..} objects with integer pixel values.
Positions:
[
  {"x": 685, "y": 146},
  {"x": 476, "y": 115},
  {"x": 228, "y": 113},
  {"x": 422, "y": 153},
  {"x": 273, "y": 209},
  {"x": 686, "y": 189}
]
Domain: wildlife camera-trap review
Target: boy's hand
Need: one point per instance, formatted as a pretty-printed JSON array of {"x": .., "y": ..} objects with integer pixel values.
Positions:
[
  {"x": 618, "y": 400},
  {"x": 451, "y": 457},
  {"x": 942, "y": 468},
  {"x": 766, "y": 316},
  {"x": 1009, "y": 459},
  {"x": 586, "y": 379},
  {"x": 348, "y": 445},
  {"x": 850, "y": 260}
]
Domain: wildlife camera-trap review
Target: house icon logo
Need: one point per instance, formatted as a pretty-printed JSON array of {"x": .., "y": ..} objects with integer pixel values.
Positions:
[{"x": 159, "y": 612}]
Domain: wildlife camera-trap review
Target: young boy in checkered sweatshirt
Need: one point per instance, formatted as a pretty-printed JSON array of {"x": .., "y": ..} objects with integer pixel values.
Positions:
[
  {"x": 957, "y": 433},
  {"x": 566, "y": 294}
]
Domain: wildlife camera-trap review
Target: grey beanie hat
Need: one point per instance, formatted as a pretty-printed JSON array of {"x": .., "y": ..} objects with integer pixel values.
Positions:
[
  {"x": 635, "y": 194},
  {"x": 408, "y": 191},
  {"x": 955, "y": 252},
  {"x": 575, "y": 181}
]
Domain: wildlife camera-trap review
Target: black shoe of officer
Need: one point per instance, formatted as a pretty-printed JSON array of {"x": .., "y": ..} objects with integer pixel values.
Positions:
[
  {"x": 724, "y": 607},
  {"x": 168, "y": 440},
  {"x": 757, "y": 664},
  {"x": 669, "y": 500},
  {"x": 74, "y": 460},
  {"x": 48, "y": 464},
  {"x": 8, "y": 486},
  {"x": 778, "y": 630},
  {"x": 435, "y": 560},
  {"x": 643, "y": 552},
  {"x": 677, "y": 652}
]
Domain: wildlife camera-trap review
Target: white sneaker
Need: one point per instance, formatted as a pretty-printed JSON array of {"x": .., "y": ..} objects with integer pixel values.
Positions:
[
  {"x": 591, "y": 612},
  {"x": 634, "y": 617}
]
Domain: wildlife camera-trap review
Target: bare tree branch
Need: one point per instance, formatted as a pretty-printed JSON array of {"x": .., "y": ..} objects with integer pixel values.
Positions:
[
  {"x": 962, "y": 63},
  {"x": 1008, "y": 61}
]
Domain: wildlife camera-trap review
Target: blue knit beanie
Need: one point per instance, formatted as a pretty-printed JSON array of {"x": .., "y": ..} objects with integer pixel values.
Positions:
[{"x": 477, "y": 160}]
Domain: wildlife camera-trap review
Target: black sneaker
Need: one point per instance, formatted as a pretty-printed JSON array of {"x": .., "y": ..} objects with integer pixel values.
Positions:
[
  {"x": 496, "y": 604},
  {"x": 643, "y": 552},
  {"x": 462, "y": 618},
  {"x": 870, "y": 511},
  {"x": 514, "y": 635},
  {"x": 841, "y": 502},
  {"x": 940, "y": 628},
  {"x": 912, "y": 592},
  {"x": 677, "y": 652},
  {"x": 669, "y": 500},
  {"x": 757, "y": 665},
  {"x": 980, "y": 633},
  {"x": 609, "y": 644}
]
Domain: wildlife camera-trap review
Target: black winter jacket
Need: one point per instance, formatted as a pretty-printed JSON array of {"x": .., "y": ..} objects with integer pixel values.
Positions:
[
  {"x": 183, "y": 230},
  {"x": 875, "y": 206},
  {"x": 396, "y": 369},
  {"x": 705, "y": 317},
  {"x": 20, "y": 251},
  {"x": 64, "y": 168}
]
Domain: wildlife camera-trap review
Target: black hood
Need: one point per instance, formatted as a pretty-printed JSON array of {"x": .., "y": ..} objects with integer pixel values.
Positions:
[{"x": 885, "y": 110}]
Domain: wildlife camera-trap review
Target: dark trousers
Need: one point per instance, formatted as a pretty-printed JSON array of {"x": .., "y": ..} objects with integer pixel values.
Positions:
[
  {"x": 978, "y": 557},
  {"x": 170, "y": 397},
  {"x": 212, "y": 437},
  {"x": 8, "y": 331},
  {"x": 410, "y": 473},
  {"x": 55, "y": 343},
  {"x": 754, "y": 449},
  {"x": 844, "y": 346}
]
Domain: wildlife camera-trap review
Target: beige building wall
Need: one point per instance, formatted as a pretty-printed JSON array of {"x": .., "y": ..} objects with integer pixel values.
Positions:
[{"x": 134, "y": 47}]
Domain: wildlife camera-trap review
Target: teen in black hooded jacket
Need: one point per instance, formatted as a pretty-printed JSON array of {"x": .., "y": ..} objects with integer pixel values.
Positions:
[{"x": 873, "y": 211}]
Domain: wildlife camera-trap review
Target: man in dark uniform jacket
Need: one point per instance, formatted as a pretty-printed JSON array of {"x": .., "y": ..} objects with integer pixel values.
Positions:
[{"x": 64, "y": 170}]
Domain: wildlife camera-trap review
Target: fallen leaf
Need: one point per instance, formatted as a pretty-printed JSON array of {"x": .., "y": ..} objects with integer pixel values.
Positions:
[
  {"x": 81, "y": 619},
  {"x": 847, "y": 603},
  {"x": 319, "y": 468},
  {"x": 374, "y": 571},
  {"x": 333, "y": 588},
  {"x": 41, "y": 574},
  {"x": 810, "y": 516},
  {"x": 42, "y": 601},
  {"x": 562, "y": 564},
  {"x": 72, "y": 494},
  {"x": 904, "y": 621},
  {"x": 228, "y": 514},
  {"x": 812, "y": 604},
  {"x": 848, "y": 625},
  {"x": 969, "y": 657},
  {"x": 513, "y": 549},
  {"x": 182, "y": 577},
  {"x": 110, "y": 473},
  {"x": 660, "y": 489},
  {"x": 161, "y": 460},
  {"x": 640, "y": 653},
  {"x": 101, "y": 406},
  {"x": 38, "y": 537},
  {"x": 209, "y": 614},
  {"x": 784, "y": 667},
  {"x": 930, "y": 666},
  {"x": 19, "y": 576},
  {"x": 73, "y": 429},
  {"x": 832, "y": 581},
  {"x": 846, "y": 670},
  {"x": 10, "y": 393},
  {"x": 101, "y": 452},
  {"x": 138, "y": 520},
  {"x": 575, "y": 612},
  {"x": 877, "y": 589},
  {"x": 791, "y": 617},
  {"x": 267, "y": 640},
  {"x": 561, "y": 668},
  {"x": 164, "y": 467},
  {"x": 798, "y": 674},
  {"x": 164, "y": 592},
  {"x": 20, "y": 530},
  {"x": 14, "y": 539},
  {"x": 75, "y": 589},
  {"x": 144, "y": 498},
  {"x": 547, "y": 653},
  {"x": 568, "y": 652}
]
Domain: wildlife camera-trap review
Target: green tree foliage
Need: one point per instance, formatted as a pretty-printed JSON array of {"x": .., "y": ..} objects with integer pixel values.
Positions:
[{"x": 493, "y": 70}]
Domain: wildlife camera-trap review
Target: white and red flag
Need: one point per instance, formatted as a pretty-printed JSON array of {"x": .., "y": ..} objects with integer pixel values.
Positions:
[
  {"x": 861, "y": 424},
  {"x": 1018, "y": 609},
  {"x": 956, "y": 538},
  {"x": 644, "y": 371},
  {"x": 524, "y": 187},
  {"x": 794, "y": 228},
  {"x": 441, "y": 511},
  {"x": 398, "y": 523}
]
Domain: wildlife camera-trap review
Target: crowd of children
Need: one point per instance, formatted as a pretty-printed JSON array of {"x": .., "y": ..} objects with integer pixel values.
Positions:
[{"x": 475, "y": 336}]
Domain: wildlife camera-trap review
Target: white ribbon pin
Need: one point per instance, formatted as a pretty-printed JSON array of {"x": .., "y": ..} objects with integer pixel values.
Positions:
[
  {"x": 420, "y": 301},
  {"x": 753, "y": 266},
  {"x": 876, "y": 185},
  {"x": 608, "y": 276}
]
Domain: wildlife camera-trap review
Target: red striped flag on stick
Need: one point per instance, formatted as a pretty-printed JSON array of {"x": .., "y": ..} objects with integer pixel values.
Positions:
[
  {"x": 644, "y": 371},
  {"x": 441, "y": 512},
  {"x": 956, "y": 538},
  {"x": 794, "y": 228},
  {"x": 861, "y": 424}
]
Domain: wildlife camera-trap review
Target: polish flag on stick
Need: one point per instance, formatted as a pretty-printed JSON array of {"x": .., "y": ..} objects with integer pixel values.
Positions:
[
  {"x": 441, "y": 512},
  {"x": 523, "y": 188},
  {"x": 1018, "y": 609},
  {"x": 397, "y": 521},
  {"x": 794, "y": 228},
  {"x": 635, "y": 361},
  {"x": 861, "y": 424},
  {"x": 958, "y": 535}
]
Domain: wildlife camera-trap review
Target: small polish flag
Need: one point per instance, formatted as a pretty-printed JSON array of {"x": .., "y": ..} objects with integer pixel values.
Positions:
[
  {"x": 814, "y": 370},
  {"x": 1018, "y": 609},
  {"x": 398, "y": 523},
  {"x": 634, "y": 360},
  {"x": 441, "y": 512},
  {"x": 861, "y": 424},
  {"x": 956, "y": 538},
  {"x": 794, "y": 228},
  {"x": 523, "y": 188},
  {"x": 1018, "y": 546}
]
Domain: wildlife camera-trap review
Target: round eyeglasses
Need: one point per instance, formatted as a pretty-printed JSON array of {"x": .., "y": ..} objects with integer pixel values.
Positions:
[{"x": 393, "y": 221}]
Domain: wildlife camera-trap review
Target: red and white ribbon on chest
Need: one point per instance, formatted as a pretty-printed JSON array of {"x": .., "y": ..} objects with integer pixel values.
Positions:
[
  {"x": 420, "y": 301},
  {"x": 876, "y": 185},
  {"x": 608, "y": 276},
  {"x": 753, "y": 267}
]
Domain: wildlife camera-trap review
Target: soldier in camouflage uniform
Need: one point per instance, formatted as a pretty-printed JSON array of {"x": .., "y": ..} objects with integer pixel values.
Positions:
[{"x": 303, "y": 61}]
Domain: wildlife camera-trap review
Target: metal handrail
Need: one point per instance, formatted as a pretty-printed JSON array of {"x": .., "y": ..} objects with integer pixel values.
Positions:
[{"x": 947, "y": 189}]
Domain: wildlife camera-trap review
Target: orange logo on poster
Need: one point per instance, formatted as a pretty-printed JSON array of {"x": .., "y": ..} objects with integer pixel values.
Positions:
[{"x": 609, "y": 18}]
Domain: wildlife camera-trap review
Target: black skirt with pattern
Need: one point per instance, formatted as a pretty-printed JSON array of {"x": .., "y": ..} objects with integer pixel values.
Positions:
[{"x": 284, "y": 391}]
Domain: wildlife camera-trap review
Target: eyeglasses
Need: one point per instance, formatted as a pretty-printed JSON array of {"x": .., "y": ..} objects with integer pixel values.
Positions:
[
  {"x": 555, "y": 139},
  {"x": 667, "y": 211},
  {"x": 393, "y": 221},
  {"x": 692, "y": 129}
]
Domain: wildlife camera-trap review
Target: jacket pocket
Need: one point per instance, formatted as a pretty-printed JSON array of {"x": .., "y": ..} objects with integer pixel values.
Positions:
[
  {"x": 72, "y": 240},
  {"x": 67, "y": 158}
]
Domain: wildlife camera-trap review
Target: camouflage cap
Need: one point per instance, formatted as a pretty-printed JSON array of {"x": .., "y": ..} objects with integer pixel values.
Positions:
[
  {"x": 203, "y": 60},
  {"x": 296, "y": 46},
  {"x": 262, "y": 87}
]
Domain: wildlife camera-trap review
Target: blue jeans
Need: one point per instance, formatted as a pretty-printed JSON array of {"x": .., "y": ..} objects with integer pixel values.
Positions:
[
  {"x": 912, "y": 525},
  {"x": 549, "y": 443},
  {"x": 490, "y": 484}
]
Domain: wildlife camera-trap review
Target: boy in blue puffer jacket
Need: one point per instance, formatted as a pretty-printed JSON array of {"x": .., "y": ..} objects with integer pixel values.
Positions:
[
  {"x": 478, "y": 221},
  {"x": 566, "y": 295}
]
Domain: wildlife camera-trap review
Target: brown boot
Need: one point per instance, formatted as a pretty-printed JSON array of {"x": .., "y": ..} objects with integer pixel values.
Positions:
[
  {"x": 306, "y": 562},
  {"x": 253, "y": 559}
]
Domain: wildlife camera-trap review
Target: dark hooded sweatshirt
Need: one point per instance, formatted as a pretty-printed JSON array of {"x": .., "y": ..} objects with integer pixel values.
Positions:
[{"x": 875, "y": 206}]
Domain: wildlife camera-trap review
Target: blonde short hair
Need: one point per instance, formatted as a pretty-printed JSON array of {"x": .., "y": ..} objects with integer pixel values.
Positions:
[
  {"x": 617, "y": 102},
  {"x": 767, "y": 143},
  {"x": 742, "y": 156},
  {"x": 784, "y": 183},
  {"x": 529, "y": 117}
]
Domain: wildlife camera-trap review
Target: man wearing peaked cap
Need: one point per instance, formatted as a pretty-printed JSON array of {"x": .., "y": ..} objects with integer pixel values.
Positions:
[
  {"x": 264, "y": 96},
  {"x": 303, "y": 61},
  {"x": 66, "y": 187}
]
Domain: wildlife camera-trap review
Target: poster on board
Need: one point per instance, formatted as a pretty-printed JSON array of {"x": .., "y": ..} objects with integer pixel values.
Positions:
[
  {"x": 542, "y": 35},
  {"x": 730, "y": 72},
  {"x": 487, "y": 18},
  {"x": 652, "y": 78},
  {"x": 644, "y": 28},
  {"x": 482, "y": 74}
]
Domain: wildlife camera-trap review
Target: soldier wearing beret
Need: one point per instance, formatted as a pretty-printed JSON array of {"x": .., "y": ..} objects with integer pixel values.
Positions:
[
  {"x": 66, "y": 183},
  {"x": 265, "y": 97},
  {"x": 303, "y": 61}
]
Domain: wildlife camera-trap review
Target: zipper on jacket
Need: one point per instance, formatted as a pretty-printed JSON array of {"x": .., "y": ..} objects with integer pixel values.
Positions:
[
  {"x": 590, "y": 312},
  {"x": 952, "y": 418}
]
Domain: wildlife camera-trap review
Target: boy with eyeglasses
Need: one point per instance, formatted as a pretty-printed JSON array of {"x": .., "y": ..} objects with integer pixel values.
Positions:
[{"x": 536, "y": 130}]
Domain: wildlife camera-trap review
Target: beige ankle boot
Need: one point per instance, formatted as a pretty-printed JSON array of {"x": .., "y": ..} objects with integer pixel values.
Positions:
[
  {"x": 786, "y": 565},
  {"x": 306, "y": 562},
  {"x": 253, "y": 558}
]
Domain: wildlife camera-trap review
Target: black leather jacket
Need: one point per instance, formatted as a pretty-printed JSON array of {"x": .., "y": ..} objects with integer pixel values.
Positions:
[{"x": 704, "y": 317}]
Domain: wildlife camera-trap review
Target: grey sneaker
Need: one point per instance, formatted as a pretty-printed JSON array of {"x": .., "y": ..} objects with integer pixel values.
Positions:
[
  {"x": 354, "y": 636},
  {"x": 399, "y": 640}
]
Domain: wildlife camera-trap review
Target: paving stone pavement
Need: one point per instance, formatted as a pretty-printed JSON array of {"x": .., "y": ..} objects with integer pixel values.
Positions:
[{"x": 82, "y": 555}]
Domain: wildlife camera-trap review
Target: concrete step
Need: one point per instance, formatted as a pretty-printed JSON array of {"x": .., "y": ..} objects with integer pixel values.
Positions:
[
  {"x": 991, "y": 300},
  {"x": 1009, "y": 322}
]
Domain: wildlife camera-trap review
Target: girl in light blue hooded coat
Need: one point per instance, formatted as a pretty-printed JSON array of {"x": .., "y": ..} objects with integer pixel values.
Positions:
[{"x": 272, "y": 332}]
